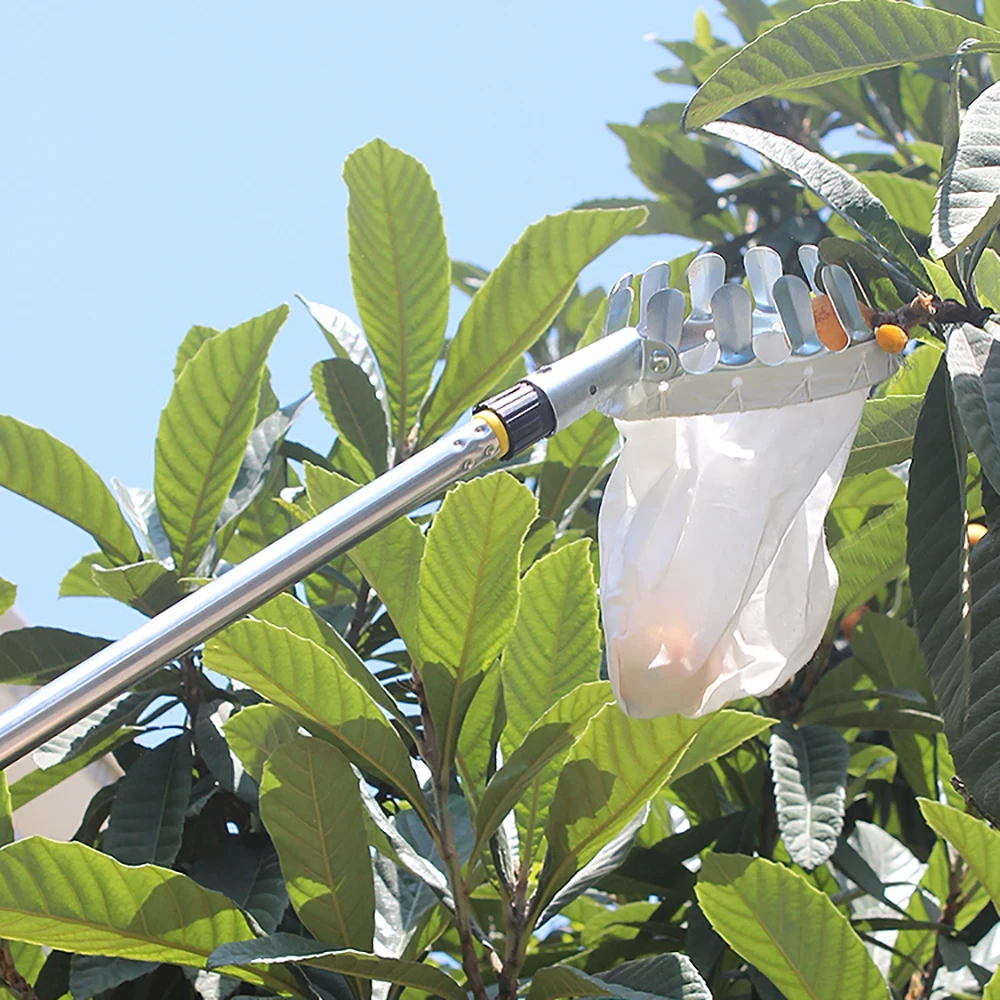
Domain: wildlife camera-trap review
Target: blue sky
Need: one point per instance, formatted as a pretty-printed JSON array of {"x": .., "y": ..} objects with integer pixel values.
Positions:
[{"x": 172, "y": 164}]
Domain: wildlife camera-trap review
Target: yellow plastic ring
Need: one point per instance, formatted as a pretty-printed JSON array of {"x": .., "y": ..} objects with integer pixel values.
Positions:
[{"x": 499, "y": 431}]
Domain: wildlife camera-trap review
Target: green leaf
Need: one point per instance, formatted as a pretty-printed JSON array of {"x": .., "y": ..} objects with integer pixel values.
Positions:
[
  {"x": 38, "y": 655},
  {"x": 204, "y": 430},
  {"x": 6, "y": 812},
  {"x": 908, "y": 200},
  {"x": 79, "y": 578},
  {"x": 469, "y": 592},
  {"x": 73, "y": 898},
  {"x": 550, "y": 738},
  {"x": 292, "y": 948},
  {"x": 400, "y": 271},
  {"x": 149, "y": 587},
  {"x": 516, "y": 305},
  {"x": 773, "y": 917},
  {"x": 256, "y": 472},
  {"x": 147, "y": 816},
  {"x": 192, "y": 341},
  {"x": 673, "y": 977},
  {"x": 967, "y": 205},
  {"x": 571, "y": 457},
  {"x": 247, "y": 871},
  {"x": 992, "y": 989},
  {"x": 290, "y": 613},
  {"x": 34, "y": 783},
  {"x": 348, "y": 401},
  {"x": 870, "y": 557},
  {"x": 305, "y": 680},
  {"x": 390, "y": 559},
  {"x": 95, "y": 728},
  {"x": 617, "y": 766},
  {"x": 310, "y": 805},
  {"x": 842, "y": 191},
  {"x": 977, "y": 751},
  {"x": 972, "y": 838},
  {"x": 973, "y": 357},
  {"x": 556, "y": 643},
  {"x": 210, "y": 744},
  {"x": 42, "y": 469},
  {"x": 254, "y": 733},
  {"x": 809, "y": 766},
  {"x": 885, "y": 435},
  {"x": 476, "y": 756},
  {"x": 554, "y": 648},
  {"x": 91, "y": 975},
  {"x": 918, "y": 368},
  {"x": 468, "y": 577},
  {"x": 8, "y": 594},
  {"x": 937, "y": 551},
  {"x": 831, "y": 42}
]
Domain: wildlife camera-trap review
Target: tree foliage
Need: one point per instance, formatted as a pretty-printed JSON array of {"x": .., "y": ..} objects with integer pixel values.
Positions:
[{"x": 408, "y": 777}]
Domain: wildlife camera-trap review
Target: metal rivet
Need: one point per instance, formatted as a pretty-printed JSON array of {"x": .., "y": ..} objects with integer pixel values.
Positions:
[
  {"x": 659, "y": 362},
  {"x": 490, "y": 450},
  {"x": 593, "y": 390},
  {"x": 467, "y": 464}
]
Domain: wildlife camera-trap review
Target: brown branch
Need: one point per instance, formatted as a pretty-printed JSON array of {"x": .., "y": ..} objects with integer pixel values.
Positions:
[
  {"x": 360, "y": 613},
  {"x": 447, "y": 848},
  {"x": 190, "y": 683},
  {"x": 11, "y": 978},
  {"x": 922, "y": 982}
]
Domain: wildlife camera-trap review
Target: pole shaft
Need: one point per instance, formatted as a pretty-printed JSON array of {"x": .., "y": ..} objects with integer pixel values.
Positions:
[{"x": 89, "y": 685}]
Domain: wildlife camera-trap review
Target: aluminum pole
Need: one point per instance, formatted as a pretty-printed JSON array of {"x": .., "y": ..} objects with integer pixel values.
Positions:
[{"x": 576, "y": 385}]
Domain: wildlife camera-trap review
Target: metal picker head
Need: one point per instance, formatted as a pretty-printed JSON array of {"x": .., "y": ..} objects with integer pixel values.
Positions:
[{"x": 739, "y": 350}]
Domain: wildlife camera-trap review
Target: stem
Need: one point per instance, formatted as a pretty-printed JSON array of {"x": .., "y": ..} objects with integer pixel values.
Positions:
[
  {"x": 11, "y": 978},
  {"x": 190, "y": 684},
  {"x": 922, "y": 983},
  {"x": 360, "y": 613},
  {"x": 446, "y": 846}
]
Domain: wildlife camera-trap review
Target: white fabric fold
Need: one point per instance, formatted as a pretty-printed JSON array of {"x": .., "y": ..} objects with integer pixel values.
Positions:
[{"x": 715, "y": 578}]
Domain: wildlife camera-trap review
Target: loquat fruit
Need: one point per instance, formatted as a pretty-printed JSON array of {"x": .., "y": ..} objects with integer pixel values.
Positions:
[
  {"x": 831, "y": 334},
  {"x": 891, "y": 338}
]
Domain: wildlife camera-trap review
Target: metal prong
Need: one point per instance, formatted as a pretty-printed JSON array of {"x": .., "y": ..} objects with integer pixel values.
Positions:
[
  {"x": 763, "y": 268},
  {"x": 702, "y": 358},
  {"x": 665, "y": 316},
  {"x": 732, "y": 312},
  {"x": 705, "y": 275},
  {"x": 771, "y": 347},
  {"x": 809, "y": 259},
  {"x": 655, "y": 278},
  {"x": 791, "y": 296},
  {"x": 840, "y": 288},
  {"x": 619, "y": 305}
]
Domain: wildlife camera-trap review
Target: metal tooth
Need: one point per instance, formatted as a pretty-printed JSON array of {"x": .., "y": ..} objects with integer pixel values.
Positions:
[
  {"x": 791, "y": 296},
  {"x": 665, "y": 316},
  {"x": 706, "y": 275},
  {"x": 732, "y": 311},
  {"x": 619, "y": 305},
  {"x": 702, "y": 358},
  {"x": 771, "y": 347},
  {"x": 809, "y": 259},
  {"x": 763, "y": 268},
  {"x": 840, "y": 288},
  {"x": 655, "y": 278}
]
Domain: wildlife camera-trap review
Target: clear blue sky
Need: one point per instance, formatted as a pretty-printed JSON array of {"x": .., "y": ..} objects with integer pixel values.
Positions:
[{"x": 172, "y": 164}]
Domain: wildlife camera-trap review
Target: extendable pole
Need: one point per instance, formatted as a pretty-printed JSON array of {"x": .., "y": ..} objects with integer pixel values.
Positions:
[{"x": 536, "y": 407}]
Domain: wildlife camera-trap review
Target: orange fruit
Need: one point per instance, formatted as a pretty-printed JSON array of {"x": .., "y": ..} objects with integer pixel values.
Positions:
[
  {"x": 831, "y": 334},
  {"x": 976, "y": 532},
  {"x": 891, "y": 338}
]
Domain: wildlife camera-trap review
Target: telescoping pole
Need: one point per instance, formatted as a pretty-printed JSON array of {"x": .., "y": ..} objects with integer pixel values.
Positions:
[{"x": 547, "y": 400}]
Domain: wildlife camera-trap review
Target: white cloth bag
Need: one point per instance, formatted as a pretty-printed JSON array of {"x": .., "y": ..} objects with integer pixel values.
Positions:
[{"x": 715, "y": 578}]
